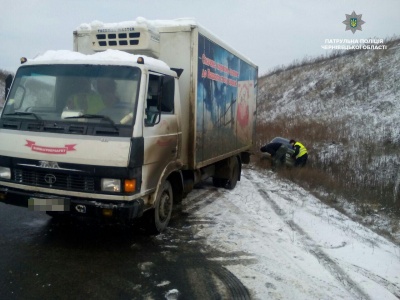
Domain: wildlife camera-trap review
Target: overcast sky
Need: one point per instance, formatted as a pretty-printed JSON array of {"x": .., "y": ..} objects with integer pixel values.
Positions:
[{"x": 270, "y": 33}]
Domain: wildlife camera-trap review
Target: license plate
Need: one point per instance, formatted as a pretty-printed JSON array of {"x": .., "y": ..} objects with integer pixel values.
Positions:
[{"x": 48, "y": 204}]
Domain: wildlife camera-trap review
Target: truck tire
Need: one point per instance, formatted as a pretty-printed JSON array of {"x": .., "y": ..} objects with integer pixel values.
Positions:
[
  {"x": 163, "y": 207},
  {"x": 230, "y": 185}
]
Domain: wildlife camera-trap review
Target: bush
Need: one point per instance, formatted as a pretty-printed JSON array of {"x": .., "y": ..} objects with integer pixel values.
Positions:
[{"x": 362, "y": 171}]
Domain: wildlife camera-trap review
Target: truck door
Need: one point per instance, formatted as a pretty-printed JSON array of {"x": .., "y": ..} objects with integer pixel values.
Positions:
[{"x": 161, "y": 130}]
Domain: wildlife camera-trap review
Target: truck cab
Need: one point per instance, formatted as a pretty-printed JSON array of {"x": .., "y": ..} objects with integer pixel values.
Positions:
[{"x": 89, "y": 135}]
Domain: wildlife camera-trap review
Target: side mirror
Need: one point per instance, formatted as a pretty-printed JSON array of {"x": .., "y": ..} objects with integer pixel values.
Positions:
[
  {"x": 9, "y": 80},
  {"x": 153, "y": 116}
]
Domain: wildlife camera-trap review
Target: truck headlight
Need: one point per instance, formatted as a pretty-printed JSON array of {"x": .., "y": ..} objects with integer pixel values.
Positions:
[
  {"x": 111, "y": 185},
  {"x": 5, "y": 173}
]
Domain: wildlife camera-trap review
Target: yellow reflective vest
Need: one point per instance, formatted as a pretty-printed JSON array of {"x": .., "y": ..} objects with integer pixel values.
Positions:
[
  {"x": 89, "y": 103},
  {"x": 302, "y": 149}
]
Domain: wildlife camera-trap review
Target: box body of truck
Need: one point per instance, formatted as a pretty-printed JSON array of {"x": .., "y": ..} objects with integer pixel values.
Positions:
[{"x": 186, "y": 111}]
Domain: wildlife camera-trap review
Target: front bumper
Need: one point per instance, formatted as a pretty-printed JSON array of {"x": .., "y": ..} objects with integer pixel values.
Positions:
[{"x": 123, "y": 211}]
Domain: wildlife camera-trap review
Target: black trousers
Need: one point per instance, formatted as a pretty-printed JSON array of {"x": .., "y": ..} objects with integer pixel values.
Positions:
[{"x": 301, "y": 161}]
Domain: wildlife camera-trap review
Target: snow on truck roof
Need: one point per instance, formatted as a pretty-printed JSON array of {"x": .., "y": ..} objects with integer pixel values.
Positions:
[
  {"x": 110, "y": 56},
  {"x": 140, "y": 22},
  {"x": 115, "y": 56},
  {"x": 66, "y": 56},
  {"x": 181, "y": 24}
]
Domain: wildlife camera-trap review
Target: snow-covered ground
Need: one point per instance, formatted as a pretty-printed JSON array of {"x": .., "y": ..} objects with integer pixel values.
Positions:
[{"x": 294, "y": 246}]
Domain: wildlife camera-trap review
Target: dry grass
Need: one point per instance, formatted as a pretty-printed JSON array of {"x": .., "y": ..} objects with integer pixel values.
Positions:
[
  {"x": 314, "y": 100},
  {"x": 356, "y": 172}
]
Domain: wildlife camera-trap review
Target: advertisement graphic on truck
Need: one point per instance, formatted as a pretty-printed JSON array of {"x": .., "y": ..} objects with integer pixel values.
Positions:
[{"x": 225, "y": 93}]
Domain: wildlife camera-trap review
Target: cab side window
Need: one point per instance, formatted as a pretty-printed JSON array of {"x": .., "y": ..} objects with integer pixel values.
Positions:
[
  {"x": 167, "y": 94},
  {"x": 160, "y": 98}
]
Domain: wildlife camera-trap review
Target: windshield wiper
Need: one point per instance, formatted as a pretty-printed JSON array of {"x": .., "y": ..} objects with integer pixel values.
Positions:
[
  {"x": 22, "y": 113},
  {"x": 89, "y": 116}
]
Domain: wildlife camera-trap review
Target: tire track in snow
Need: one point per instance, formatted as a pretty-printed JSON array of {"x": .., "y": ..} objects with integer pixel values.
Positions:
[
  {"x": 337, "y": 220},
  {"x": 244, "y": 213},
  {"x": 310, "y": 245},
  {"x": 391, "y": 287},
  {"x": 193, "y": 204},
  {"x": 210, "y": 278}
]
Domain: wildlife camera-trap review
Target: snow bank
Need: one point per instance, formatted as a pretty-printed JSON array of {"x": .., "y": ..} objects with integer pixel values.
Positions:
[{"x": 286, "y": 244}]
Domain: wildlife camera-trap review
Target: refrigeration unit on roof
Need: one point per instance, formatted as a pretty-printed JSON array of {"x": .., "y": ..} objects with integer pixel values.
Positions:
[{"x": 132, "y": 39}]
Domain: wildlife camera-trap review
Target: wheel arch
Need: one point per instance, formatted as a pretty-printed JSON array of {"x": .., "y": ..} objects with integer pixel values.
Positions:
[
  {"x": 173, "y": 174},
  {"x": 176, "y": 180}
]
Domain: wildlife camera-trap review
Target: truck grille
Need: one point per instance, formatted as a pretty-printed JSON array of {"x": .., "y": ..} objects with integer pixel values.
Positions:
[{"x": 54, "y": 180}]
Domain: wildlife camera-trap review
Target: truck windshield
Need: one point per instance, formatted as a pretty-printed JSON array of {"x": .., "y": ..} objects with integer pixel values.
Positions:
[{"x": 89, "y": 95}]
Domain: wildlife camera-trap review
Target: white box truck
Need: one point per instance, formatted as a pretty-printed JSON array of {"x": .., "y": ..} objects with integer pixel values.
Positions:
[{"x": 125, "y": 125}]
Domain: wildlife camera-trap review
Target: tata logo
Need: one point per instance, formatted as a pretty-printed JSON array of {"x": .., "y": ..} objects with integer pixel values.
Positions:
[
  {"x": 81, "y": 208},
  {"x": 50, "y": 179},
  {"x": 48, "y": 164}
]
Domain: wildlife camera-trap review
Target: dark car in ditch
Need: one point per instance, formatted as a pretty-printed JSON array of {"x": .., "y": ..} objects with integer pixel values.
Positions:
[{"x": 289, "y": 152}]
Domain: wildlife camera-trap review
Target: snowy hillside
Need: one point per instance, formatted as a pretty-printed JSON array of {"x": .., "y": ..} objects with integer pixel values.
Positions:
[
  {"x": 345, "y": 109},
  {"x": 3, "y": 75},
  {"x": 1, "y": 92},
  {"x": 360, "y": 89}
]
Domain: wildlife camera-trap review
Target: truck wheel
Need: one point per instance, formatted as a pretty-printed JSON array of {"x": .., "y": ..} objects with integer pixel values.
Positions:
[
  {"x": 163, "y": 208},
  {"x": 234, "y": 176}
]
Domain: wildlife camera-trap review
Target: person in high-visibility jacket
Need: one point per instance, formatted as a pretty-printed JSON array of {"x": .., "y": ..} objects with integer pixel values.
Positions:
[
  {"x": 300, "y": 153},
  {"x": 84, "y": 99},
  {"x": 88, "y": 103}
]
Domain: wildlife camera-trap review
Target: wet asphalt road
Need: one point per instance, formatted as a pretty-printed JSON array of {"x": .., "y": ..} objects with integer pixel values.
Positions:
[{"x": 44, "y": 259}]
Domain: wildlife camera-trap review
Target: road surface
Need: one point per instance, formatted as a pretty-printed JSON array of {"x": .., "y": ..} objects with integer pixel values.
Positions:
[{"x": 266, "y": 239}]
